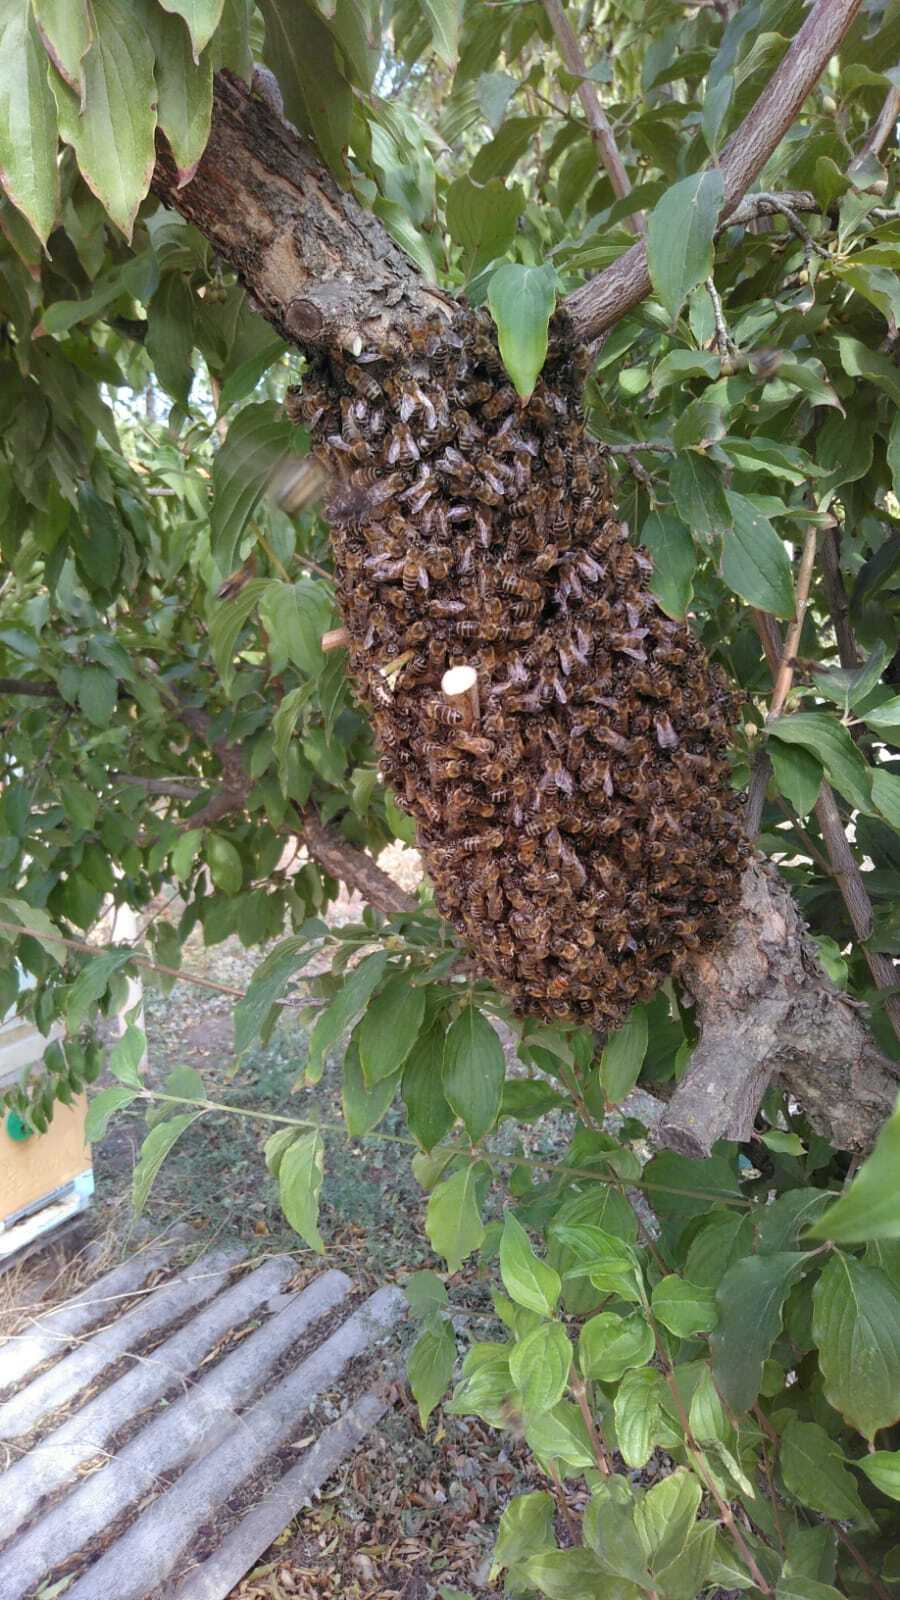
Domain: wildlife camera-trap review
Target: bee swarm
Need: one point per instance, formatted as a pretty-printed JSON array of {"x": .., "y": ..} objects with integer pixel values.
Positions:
[{"x": 581, "y": 833}]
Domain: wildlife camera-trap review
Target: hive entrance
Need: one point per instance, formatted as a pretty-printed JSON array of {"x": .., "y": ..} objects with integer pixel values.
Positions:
[{"x": 575, "y": 811}]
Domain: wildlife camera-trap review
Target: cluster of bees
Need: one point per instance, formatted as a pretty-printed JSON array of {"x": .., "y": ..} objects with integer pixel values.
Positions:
[{"x": 580, "y": 831}]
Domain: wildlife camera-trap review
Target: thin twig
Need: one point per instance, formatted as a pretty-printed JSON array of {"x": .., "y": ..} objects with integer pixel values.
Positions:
[
  {"x": 878, "y": 1587},
  {"x": 881, "y": 132},
  {"x": 785, "y": 676},
  {"x": 724, "y": 341},
  {"x": 579, "y": 1389},
  {"x": 845, "y": 870},
  {"x": 597, "y": 120},
  {"x": 134, "y": 955}
]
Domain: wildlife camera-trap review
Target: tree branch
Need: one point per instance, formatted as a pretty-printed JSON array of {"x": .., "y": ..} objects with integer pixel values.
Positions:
[
  {"x": 881, "y": 132},
  {"x": 594, "y": 307},
  {"x": 597, "y": 120},
  {"x": 45, "y": 690}
]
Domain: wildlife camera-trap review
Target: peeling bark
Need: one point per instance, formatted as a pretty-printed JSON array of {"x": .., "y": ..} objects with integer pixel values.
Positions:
[{"x": 766, "y": 1010}]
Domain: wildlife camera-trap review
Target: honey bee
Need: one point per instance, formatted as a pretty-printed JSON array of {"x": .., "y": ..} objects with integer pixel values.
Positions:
[
  {"x": 415, "y": 575},
  {"x": 497, "y": 401},
  {"x": 402, "y": 449},
  {"x": 363, "y": 383}
]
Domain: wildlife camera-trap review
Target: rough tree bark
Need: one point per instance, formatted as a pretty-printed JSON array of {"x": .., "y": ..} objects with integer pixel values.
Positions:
[{"x": 327, "y": 275}]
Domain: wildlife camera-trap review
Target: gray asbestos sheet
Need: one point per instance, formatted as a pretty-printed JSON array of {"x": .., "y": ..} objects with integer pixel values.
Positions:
[
  {"x": 51, "y": 1331},
  {"x": 193, "y": 1286},
  {"x": 58, "y": 1455},
  {"x": 217, "y": 1576},
  {"x": 138, "y": 1564},
  {"x": 185, "y": 1430}
]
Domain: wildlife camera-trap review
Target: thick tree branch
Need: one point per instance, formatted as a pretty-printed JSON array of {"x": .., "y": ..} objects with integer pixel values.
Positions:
[
  {"x": 597, "y": 120},
  {"x": 27, "y": 686},
  {"x": 594, "y": 307},
  {"x": 765, "y": 1009}
]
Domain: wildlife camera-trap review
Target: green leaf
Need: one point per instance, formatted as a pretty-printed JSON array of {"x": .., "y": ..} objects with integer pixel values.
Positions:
[
  {"x": 390, "y": 1028},
  {"x": 202, "y": 18},
  {"x": 154, "y": 1150},
  {"x": 785, "y": 1144},
  {"x": 701, "y": 423},
  {"x": 364, "y": 1105},
  {"x": 429, "y": 1366},
  {"x": 126, "y": 1056},
  {"x": 526, "y": 1528},
  {"x": 317, "y": 98},
  {"x": 609, "y": 1262},
  {"x": 812, "y": 1464},
  {"x": 882, "y": 1468},
  {"x": 296, "y": 615},
  {"x": 348, "y": 1004},
  {"x": 637, "y": 1409},
  {"x": 886, "y": 795},
  {"x": 665, "y": 1516},
  {"x": 481, "y": 219},
  {"x": 674, "y": 562},
  {"x": 101, "y": 1108},
  {"x": 798, "y": 775},
  {"x": 831, "y": 744},
  {"x": 791, "y": 1587},
  {"x": 699, "y": 496},
  {"x": 28, "y": 145},
  {"x": 560, "y": 1435},
  {"x": 680, "y": 232},
  {"x": 300, "y": 1174},
  {"x": 623, "y": 1056},
  {"x": 885, "y": 716},
  {"x": 473, "y": 1071},
  {"x": 526, "y": 1278},
  {"x": 91, "y": 985},
  {"x": 869, "y": 1208},
  {"x": 425, "y": 1293},
  {"x": 185, "y": 91},
  {"x": 270, "y": 979},
  {"x": 539, "y": 1367},
  {"x": 444, "y": 21},
  {"x": 184, "y": 853},
  {"x": 683, "y": 1307},
  {"x": 609, "y": 1530},
  {"x": 856, "y": 1326},
  {"x": 113, "y": 133},
  {"x": 609, "y": 1345},
  {"x": 423, "y": 1095},
  {"x": 521, "y": 301},
  {"x": 861, "y": 362},
  {"x": 97, "y": 695},
  {"x": 573, "y": 1575},
  {"x": 258, "y": 440},
  {"x": 755, "y": 563},
  {"x": 453, "y": 1218},
  {"x": 750, "y": 1299},
  {"x": 66, "y": 33},
  {"x": 225, "y": 865}
]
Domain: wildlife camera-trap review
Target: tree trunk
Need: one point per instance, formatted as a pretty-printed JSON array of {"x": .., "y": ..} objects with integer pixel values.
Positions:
[{"x": 328, "y": 276}]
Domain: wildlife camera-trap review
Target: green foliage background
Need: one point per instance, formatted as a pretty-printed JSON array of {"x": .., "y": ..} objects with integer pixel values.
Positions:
[{"x": 140, "y": 423}]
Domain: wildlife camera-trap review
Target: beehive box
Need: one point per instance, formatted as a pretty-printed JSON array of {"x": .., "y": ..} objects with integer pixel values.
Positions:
[{"x": 45, "y": 1178}]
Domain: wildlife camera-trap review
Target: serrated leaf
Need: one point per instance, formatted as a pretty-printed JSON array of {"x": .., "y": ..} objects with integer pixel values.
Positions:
[
  {"x": 473, "y": 1071},
  {"x": 154, "y": 1150},
  {"x": 453, "y": 1218},
  {"x": 683, "y": 1307},
  {"x": 750, "y": 1299},
  {"x": 813, "y": 1468},
  {"x": 623, "y": 1056},
  {"x": 258, "y": 439},
  {"x": 300, "y": 1174},
  {"x": 539, "y": 1367},
  {"x": 755, "y": 563},
  {"x": 28, "y": 144},
  {"x": 429, "y": 1366},
  {"x": 521, "y": 301},
  {"x": 680, "y": 232},
  {"x": 856, "y": 1326},
  {"x": 831, "y": 744},
  {"x": 102, "y": 1106},
  {"x": 113, "y": 135},
  {"x": 97, "y": 695},
  {"x": 869, "y": 1209},
  {"x": 528, "y": 1280},
  {"x": 390, "y": 1028},
  {"x": 610, "y": 1345}
]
